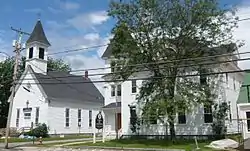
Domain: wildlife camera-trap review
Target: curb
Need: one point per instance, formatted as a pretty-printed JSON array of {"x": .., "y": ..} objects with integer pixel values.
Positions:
[{"x": 129, "y": 149}]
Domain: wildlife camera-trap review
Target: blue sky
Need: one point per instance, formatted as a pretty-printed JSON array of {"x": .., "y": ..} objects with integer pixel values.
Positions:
[{"x": 71, "y": 24}]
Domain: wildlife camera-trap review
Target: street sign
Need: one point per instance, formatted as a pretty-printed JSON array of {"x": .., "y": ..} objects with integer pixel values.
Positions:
[{"x": 99, "y": 121}]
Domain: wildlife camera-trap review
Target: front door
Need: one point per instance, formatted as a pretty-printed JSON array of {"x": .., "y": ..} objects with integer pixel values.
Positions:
[
  {"x": 27, "y": 119},
  {"x": 119, "y": 117}
]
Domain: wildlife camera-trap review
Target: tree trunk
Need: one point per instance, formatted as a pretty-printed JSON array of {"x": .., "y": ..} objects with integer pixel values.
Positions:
[{"x": 171, "y": 125}]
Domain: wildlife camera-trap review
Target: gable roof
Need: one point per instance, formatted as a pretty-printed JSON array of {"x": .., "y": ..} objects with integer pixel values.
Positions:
[
  {"x": 38, "y": 34},
  {"x": 243, "y": 96},
  {"x": 67, "y": 86}
]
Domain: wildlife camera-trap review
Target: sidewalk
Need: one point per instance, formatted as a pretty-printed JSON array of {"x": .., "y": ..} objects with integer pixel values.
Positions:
[{"x": 19, "y": 144}]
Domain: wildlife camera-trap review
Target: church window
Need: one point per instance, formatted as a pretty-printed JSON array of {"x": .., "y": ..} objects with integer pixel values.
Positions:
[
  {"x": 31, "y": 52},
  {"x": 41, "y": 53}
]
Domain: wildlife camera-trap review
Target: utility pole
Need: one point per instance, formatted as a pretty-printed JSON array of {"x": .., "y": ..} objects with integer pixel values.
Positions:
[{"x": 17, "y": 49}]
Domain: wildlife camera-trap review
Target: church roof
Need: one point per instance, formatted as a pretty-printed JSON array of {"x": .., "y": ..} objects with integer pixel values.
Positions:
[
  {"x": 62, "y": 85},
  {"x": 38, "y": 34}
]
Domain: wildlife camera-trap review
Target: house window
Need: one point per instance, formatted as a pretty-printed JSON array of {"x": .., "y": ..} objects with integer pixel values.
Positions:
[
  {"x": 119, "y": 90},
  {"x": 203, "y": 78},
  {"x": 41, "y": 53},
  {"x": 208, "y": 117},
  {"x": 230, "y": 114},
  {"x": 67, "y": 117},
  {"x": 17, "y": 117},
  {"x": 31, "y": 52},
  {"x": 27, "y": 115},
  {"x": 234, "y": 83},
  {"x": 113, "y": 66},
  {"x": 90, "y": 118},
  {"x": 79, "y": 117},
  {"x": 226, "y": 78},
  {"x": 181, "y": 118},
  {"x": 134, "y": 86},
  {"x": 112, "y": 90},
  {"x": 37, "y": 116},
  {"x": 248, "y": 121}
]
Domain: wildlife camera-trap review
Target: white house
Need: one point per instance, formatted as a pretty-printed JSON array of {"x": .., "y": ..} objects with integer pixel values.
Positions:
[
  {"x": 119, "y": 96},
  {"x": 67, "y": 103},
  {"x": 244, "y": 107}
]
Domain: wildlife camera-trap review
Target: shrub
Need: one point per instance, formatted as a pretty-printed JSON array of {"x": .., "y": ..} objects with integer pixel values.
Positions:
[{"x": 40, "y": 131}]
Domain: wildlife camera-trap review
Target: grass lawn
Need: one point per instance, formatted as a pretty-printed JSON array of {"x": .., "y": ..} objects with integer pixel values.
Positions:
[
  {"x": 12, "y": 140},
  {"x": 132, "y": 143}
]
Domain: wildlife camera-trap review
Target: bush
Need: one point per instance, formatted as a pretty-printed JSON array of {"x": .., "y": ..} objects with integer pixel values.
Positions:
[{"x": 40, "y": 131}]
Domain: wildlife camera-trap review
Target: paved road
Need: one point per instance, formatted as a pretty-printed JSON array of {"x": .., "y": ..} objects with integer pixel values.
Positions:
[{"x": 19, "y": 144}]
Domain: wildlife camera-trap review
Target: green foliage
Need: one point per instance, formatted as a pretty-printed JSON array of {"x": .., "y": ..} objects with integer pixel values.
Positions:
[
  {"x": 6, "y": 73},
  {"x": 57, "y": 65},
  {"x": 40, "y": 131},
  {"x": 154, "y": 31},
  {"x": 219, "y": 115}
]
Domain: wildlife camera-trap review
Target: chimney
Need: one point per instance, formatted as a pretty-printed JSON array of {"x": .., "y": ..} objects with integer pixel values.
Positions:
[{"x": 86, "y": 74}]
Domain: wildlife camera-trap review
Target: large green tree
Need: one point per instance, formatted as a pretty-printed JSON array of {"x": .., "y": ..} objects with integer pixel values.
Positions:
[
  {"x": 6, "y": 73},
  {"x": 156, "y": 31}
]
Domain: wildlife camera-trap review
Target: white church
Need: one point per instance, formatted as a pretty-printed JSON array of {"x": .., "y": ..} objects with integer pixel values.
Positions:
[{"x": 66, "y": 103}]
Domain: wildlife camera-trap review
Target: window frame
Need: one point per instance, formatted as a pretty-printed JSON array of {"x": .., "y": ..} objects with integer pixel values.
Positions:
[
  {"x": 90, "y": 118},
  {"x": 248, "y": 120},
  {"x": 17, "y": 117},
  {"x": 208, "y": 114},
  {"x": 182, "y": 119},
  {"x": 41, "y": 55},
  {"x": 37, "y": 116},
  {"x": 134, "y": 86},
  {"x": 31, "y": 52},
  {"x": 113, "y": 90},
  {"x": 79, "y": 118},
  {"x": 119, "y": 90},
  {"x": 67, "y": 117}
]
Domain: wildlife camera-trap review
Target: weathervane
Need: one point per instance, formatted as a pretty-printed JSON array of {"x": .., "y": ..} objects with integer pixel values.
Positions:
[{"x": 39, "y": 16}]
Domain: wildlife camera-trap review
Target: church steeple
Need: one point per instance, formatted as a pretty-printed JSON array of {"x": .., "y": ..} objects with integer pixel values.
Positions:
[
  {"x": 37, "y": 48},
  {"x": 38, "y": 35}
]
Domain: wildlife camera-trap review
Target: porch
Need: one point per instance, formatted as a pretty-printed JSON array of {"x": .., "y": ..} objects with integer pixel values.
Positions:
[
  {"x": 244, "y": 119},
  {"x": 113, "y": 118}
]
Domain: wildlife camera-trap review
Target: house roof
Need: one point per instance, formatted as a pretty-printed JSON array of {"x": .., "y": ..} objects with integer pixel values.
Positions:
[
  {"x": 112, "y": 105},
  {"x": 228, "y": 48},
  {"x": 67, "y": 86},
  {"x": 243, "y": 96},
  {"x": 38, "y": 34}
]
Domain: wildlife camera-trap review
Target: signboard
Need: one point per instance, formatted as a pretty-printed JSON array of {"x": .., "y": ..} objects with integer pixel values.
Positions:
[{"x": 99, "y": 121}]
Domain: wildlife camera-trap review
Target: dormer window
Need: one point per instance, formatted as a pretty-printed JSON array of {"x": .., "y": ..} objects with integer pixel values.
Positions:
[
  {"x": 41, "y": 53},
  {"x": 31, "y": 52}
]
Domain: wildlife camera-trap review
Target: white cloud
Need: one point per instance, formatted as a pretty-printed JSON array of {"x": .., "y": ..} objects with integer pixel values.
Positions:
[
  {"x": 69, "y": 5},
  {"x": 242, "y": 33},
  {"x": 88, "y": 20}
]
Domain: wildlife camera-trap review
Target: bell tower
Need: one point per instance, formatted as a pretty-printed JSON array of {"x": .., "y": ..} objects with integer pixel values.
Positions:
[{"x": 37, "y": 49}]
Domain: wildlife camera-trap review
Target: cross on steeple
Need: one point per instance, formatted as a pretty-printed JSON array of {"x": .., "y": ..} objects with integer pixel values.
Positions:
[{"x": 38, "y": 16}]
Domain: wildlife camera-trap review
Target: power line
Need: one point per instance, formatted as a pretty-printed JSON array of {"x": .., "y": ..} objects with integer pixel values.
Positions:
[
  {"x": 149, "y": 78},
  {"x": 79, "y": 49},
  {"x": 162, "y": 62},
  {"x": 177, "y": 66}
]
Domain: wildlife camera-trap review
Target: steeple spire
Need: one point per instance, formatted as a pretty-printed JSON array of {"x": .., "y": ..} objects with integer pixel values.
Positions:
[{"x": 38, "y": 34}]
